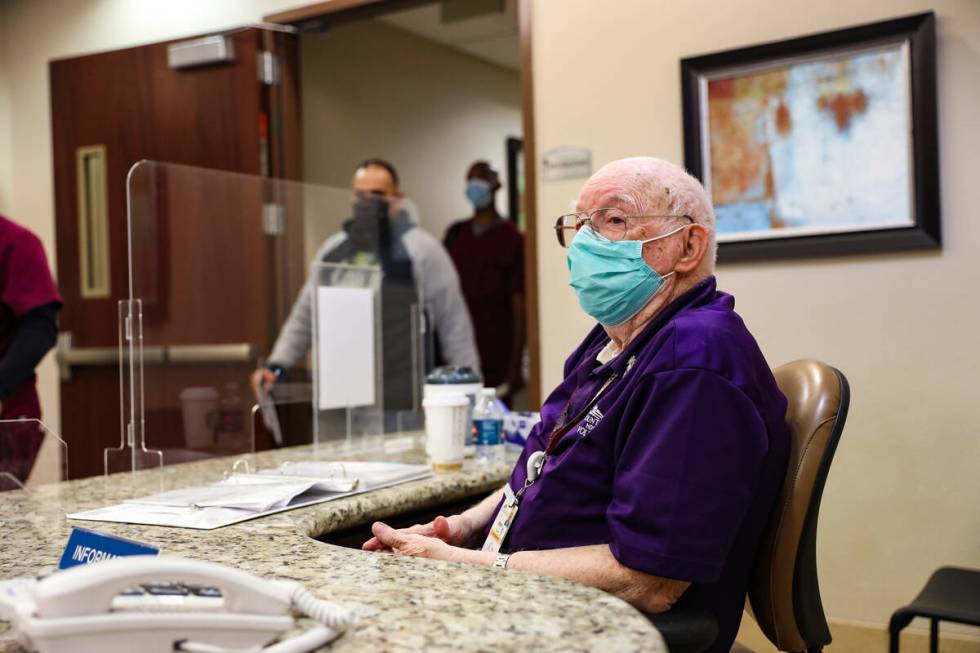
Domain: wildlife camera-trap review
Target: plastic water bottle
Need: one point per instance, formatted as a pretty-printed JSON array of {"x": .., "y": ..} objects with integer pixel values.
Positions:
[{"x": 488, "y": 427}]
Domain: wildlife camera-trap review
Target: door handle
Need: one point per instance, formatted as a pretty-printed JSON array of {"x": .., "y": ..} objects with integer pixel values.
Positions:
[
  {"x": 238, "y": 352},
  {"x": 69, "y": 356}
]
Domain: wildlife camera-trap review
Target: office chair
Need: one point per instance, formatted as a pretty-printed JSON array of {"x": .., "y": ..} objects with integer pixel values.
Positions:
[
  {"x": 951, "y": 594},
  {"x": 783, "y": 591}
]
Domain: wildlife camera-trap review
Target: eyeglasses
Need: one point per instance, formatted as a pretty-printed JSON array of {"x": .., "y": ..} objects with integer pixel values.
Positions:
[{"x": 611, "y": 223}]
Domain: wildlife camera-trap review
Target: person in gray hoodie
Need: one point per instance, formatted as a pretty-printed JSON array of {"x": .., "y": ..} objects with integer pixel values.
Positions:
[{"x": 416, "y": 269}]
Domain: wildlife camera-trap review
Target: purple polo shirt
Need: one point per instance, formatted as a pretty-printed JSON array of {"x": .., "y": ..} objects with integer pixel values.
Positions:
[{"x": 678, "y": 465}]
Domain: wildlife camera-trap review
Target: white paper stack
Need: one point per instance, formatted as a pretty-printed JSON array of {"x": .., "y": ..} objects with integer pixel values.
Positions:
[
  {"x": 246, "y": 496},
  {"x": 368, "y": 475}
]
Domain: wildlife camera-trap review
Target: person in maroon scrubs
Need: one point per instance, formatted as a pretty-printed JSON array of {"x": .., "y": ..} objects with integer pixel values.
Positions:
[
  {"x": 488, "y": 252},
  {"x": 29, "y": 305}
]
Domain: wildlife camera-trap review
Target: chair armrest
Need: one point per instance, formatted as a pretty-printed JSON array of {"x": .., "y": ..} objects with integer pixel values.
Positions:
[{"x": 686, "y": 631}]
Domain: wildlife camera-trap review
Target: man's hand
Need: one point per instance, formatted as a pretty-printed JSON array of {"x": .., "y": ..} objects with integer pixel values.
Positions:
[
  {"x": 455, "y": 530},
  {"x": 403, "y": 542},
  {"x": 262, "y": 379}
]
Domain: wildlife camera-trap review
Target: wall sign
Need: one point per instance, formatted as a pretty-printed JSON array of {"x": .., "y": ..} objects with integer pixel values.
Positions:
[{"x": 566, "y": 162}]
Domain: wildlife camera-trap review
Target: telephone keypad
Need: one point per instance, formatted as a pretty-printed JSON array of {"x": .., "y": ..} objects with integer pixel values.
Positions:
[
  {"x": 168, "y": 597},
  {"x": 201, "y": 590},
  {"x": 166, "y": 589}
]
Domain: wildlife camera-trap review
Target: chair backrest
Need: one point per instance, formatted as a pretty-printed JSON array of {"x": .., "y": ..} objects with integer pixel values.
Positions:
[{"x": 784, "y": 593}]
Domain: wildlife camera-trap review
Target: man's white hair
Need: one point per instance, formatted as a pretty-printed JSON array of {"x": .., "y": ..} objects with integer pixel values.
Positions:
[{"x": 655, "y": 186}]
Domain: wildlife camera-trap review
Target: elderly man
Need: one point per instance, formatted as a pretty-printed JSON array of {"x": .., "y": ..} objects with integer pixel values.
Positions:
[{"x": 658, "y": 459}]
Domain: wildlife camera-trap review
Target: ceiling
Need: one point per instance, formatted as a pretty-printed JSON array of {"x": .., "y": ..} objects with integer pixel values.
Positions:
[{"x": 490, "y": 37}]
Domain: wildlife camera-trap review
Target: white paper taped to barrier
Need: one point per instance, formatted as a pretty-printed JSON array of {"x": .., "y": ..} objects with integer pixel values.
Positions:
[{"x": 346, "y": 356}]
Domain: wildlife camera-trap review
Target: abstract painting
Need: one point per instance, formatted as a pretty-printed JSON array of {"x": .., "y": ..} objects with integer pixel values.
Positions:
[{"x": 808, "y": 145}]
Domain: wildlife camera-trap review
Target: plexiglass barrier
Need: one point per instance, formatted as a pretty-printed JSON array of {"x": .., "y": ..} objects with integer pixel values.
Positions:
[
  {"x": 30, "y": 452},
  {"x": 225, "y": 313}
]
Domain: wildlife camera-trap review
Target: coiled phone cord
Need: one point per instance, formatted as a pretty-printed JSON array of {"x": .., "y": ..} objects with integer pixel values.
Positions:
[{"x": 332, "y": 621}]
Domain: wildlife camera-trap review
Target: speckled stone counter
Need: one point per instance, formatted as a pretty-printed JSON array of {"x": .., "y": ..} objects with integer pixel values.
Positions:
[{"x": 403, "y": 604}]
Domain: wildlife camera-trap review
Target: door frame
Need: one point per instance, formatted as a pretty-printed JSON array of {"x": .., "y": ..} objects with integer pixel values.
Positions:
[{"x": 332, "y": 12}]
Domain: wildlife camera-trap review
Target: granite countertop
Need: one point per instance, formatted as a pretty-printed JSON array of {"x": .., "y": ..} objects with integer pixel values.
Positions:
[{"x": 403, "y": 604}]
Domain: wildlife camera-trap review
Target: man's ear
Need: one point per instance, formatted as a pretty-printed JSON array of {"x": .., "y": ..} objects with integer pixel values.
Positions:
[
  {"x": 399, "y": 194},
  {"x": 695, "y": 248}
]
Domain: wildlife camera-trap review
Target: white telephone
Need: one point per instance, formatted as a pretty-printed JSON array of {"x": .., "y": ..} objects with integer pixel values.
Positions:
[{"x": 153, "y": 604}]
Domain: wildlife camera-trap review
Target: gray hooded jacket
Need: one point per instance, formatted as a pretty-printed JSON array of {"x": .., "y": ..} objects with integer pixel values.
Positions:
[{"x": 437, "y": 283}]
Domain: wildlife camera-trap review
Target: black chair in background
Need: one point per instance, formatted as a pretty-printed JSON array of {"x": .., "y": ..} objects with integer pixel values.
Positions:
[{"x": 951, "y": 594}]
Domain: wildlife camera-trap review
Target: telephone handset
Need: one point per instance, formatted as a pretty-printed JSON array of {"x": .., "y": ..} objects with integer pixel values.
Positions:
[{"x": 163, "y": 603}]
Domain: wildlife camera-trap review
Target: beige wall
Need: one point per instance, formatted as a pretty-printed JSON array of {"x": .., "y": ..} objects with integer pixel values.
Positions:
[
  {"x": 370, "y": 89},
  {"x": 903, "y": 496},
  {"x": 6, "y": 150}
]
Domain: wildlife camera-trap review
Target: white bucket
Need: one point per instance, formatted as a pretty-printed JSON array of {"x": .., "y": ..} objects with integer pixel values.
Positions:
[{"x": 199, "y": 407}]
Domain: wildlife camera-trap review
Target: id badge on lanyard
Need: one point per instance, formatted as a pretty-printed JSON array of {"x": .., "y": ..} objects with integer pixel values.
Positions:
[
  {"x": 501, "y": 525},
  {"x": 535, "y": 463},
  {"x": 508, "y": 509}
]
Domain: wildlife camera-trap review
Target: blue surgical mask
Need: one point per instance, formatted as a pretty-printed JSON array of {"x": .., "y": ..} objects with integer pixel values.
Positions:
[
  {"x": 611, "y": 279},
  {"x": 480, "y": 193}
]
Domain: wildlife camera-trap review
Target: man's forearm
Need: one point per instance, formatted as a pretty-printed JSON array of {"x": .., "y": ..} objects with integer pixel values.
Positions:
[
  {"x": 479, "y": 515},
  {"x": 592, "y": 565},
  {"x": 295, "y": 336}
]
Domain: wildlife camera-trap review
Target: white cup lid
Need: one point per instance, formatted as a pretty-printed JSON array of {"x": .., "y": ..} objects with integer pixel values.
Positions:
[{"x": 446, "y": 401}]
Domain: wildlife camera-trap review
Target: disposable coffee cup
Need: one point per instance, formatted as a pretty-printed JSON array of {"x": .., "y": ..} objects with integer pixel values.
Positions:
[
  {"x": 199, "y": 408},
  {"x": 446, "y": 423},
  {"x": 456, "y": 379}
]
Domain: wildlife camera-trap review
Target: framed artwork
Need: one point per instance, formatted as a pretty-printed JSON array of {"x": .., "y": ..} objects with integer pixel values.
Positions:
[{"x": 820, "y": 145}]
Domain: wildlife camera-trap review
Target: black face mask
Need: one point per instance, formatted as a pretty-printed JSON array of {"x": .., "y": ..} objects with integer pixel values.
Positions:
[{"x": 370, "y": 229}]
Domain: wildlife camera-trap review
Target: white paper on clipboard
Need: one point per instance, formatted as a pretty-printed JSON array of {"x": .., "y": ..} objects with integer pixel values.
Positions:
[
  {"x": 345, "y": 354},
  {"x": 207, "y": 507}
]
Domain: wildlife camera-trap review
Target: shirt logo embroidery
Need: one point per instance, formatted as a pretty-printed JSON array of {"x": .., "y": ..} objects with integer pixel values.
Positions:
[{"x": 590, "y": 422}]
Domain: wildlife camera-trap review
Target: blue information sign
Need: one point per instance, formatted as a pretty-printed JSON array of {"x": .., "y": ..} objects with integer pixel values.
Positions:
[{"x": 85, "y": 547}]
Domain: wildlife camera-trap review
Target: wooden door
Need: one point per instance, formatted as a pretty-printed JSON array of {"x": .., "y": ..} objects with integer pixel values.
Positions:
[{"x": 113, "y": 109}]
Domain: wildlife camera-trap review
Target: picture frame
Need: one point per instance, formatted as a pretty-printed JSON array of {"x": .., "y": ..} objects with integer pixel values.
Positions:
[{"x": 820, "y": 145}]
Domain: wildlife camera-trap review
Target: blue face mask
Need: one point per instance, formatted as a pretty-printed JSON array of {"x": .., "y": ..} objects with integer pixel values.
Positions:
[
  {"x": 611, "y": 279},
  {"x": 480, "y": 193}
]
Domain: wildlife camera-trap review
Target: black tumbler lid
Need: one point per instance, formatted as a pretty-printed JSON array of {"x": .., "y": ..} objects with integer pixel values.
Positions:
[{"x": 452, "y": 375}]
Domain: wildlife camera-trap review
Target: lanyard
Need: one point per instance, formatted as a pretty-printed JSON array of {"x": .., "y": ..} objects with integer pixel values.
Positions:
[
  {"x": 535, "y": 462},
  {"x": 562, "y": 427}
]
